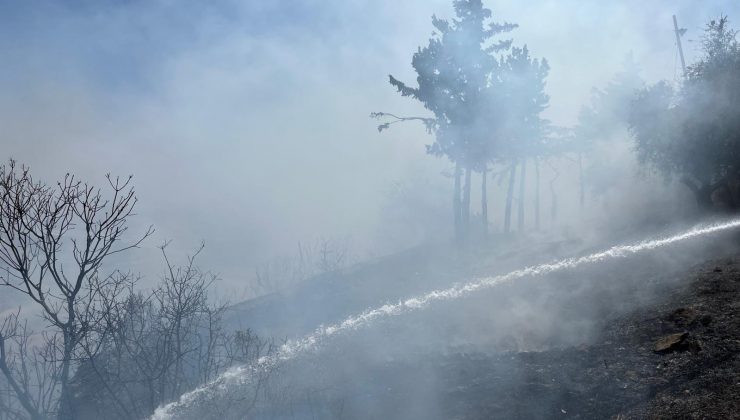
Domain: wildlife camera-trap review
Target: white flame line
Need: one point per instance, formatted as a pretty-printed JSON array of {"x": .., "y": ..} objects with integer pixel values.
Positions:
[{"x": 293, "y": 348}]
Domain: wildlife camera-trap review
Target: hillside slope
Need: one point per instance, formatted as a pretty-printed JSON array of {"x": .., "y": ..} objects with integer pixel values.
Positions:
[
  {"x": 625, "y": 372},
  {"x": 580, "y": 343}
]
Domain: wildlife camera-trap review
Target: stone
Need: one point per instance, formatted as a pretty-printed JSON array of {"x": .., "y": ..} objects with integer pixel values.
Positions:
[{"x": 672, "y": 342}]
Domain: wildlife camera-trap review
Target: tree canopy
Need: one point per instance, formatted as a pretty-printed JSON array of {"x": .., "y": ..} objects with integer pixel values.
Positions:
[
  {"x": 457, "y": 80},
  {"x": 693, "y": 133},
  {"x": 485, "y": 95}
]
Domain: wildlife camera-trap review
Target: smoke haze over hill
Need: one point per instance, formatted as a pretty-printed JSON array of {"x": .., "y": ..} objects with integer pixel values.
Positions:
[{"x": 263, "y": 108}]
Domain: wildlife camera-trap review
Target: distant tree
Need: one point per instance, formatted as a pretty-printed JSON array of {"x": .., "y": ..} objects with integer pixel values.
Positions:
[
  {"x": 483, "y": 100},
  {"x": 693, "y": 134},
  {"x": 602, "y": 124},
  {"x": 29, "y": 372},
  {"x": 555, "y": 144},
  {"x": 607, "y": 116},
  {"x": 53, "y": 242},
  {"x": 153, "y": 346},
  {"x": 521, "y": 129},
  {"x": 312, "y": 258},
  {"x": 457, "y": 82}
]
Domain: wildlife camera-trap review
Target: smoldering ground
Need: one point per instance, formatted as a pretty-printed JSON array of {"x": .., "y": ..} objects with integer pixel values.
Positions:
[{"x": 389, "y": 366}]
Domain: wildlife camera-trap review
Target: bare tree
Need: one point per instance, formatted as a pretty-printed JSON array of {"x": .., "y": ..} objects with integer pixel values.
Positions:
[
  {"x": 156, "y": 345},
  {"x": 30, "y": 371},
  {"x": 53, "y": 242},
  {"x": 332, "y": 255},
  {"x": 322, "y": 256},
  {"x": 14, "y": 363}
]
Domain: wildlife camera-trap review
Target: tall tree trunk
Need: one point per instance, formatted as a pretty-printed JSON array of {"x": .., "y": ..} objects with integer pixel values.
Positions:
[
  {"x": 581, "y": 182},
  {"x": 537, "y": 194},
  {"x": 553, "y": 205},
  {"x": 484, "y": 200},
  {"x": 509, "y": 197},
  {"x": 520, "y": 208},
  {"x": 466, "y": 203},
  {"x": 65, "y": 398},
  {"x": 553, "y": 197},
  {"x": 456, "y": 202},
  {"x": 702, "y": 192},
  {"x": 178, "y": 356}
]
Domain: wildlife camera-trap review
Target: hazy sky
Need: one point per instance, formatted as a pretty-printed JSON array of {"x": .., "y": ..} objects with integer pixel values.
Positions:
[{"x": 246, "y": 123}]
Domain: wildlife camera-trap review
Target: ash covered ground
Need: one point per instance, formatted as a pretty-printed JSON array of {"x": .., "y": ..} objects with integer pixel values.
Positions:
[
  {"x": 621, "y": 374},
  {"x": 649, "y": 336}
]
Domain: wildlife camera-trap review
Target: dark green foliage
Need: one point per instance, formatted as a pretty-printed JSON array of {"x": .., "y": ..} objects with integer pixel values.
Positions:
[
  {"x": 458, "y": 80},
  {"x": 694, "y": 133},
  {"x": 485, "y": 96}
]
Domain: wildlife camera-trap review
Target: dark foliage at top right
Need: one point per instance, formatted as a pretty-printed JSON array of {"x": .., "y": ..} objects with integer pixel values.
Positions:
[{"x": 693, "y": 134}]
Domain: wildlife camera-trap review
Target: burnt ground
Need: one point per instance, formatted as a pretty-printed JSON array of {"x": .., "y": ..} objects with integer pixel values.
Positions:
[
  {"x": 676, "y": 356},
  {"x": 655, "y": 335},
  {"x": 620, "y": 375}
]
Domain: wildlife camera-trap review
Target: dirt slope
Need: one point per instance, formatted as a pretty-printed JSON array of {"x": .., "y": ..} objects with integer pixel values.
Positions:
[
  {"x": 628, "y": 372},
  {"x": 620, "y": 374},
  {"x": 656, "y": 335}
]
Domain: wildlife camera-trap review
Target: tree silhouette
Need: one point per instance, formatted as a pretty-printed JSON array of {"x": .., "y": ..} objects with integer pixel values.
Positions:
[
  {"x": 602, "y": 124},
  {"x": 458, "y": 81},
  {"x": 486, "y": 98},
  {"x": 53, "y": 242},
  {"x": 694, "y": 133},
  {"x": 521, "y": 129}
]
